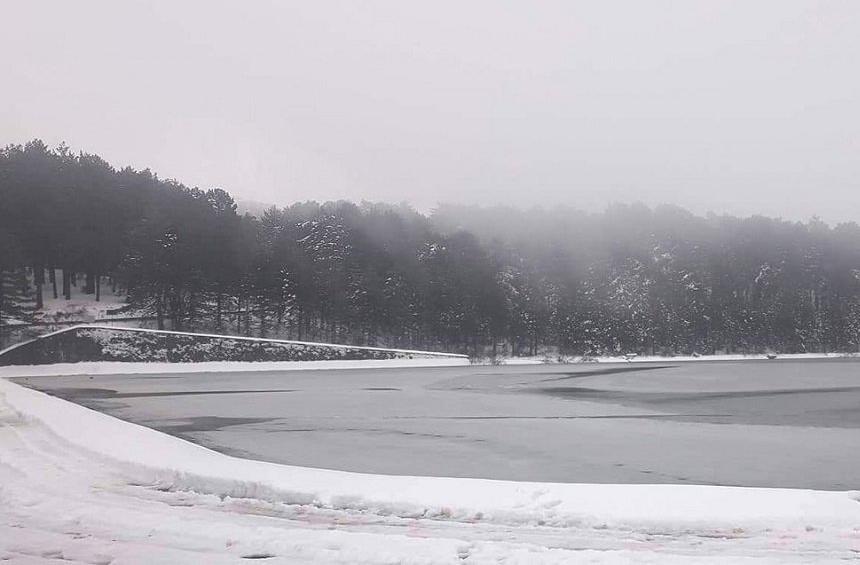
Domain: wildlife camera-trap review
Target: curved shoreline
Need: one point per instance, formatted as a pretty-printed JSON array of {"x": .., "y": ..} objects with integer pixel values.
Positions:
[{"x": 180, "y": 464}]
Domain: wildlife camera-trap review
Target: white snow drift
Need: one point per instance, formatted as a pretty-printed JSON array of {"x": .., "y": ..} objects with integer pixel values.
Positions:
[{"x": 81, "y": 485}]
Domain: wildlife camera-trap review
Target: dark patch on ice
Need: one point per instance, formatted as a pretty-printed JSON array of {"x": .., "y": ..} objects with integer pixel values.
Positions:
[
  {"x": 601, "y": 417},
  {"x": 609, "y": 371},
  {"x": 672, "y": 397},
  {"x": 259, "y": 556},
  {"x": 405, "y": 433},
  {"x": 205, "y": 424},
  {"x": 381, "y": 388},
  {"x": 585, "y": 392},
  {"x": 199, "y": 392},
  {"x": 813, "y": 407},
  {"x": 373, "y": 431},
  {"x": 106, "y": 393},
  {"x": 751, "y": 393},
  {"x": 79, "y": 393}
]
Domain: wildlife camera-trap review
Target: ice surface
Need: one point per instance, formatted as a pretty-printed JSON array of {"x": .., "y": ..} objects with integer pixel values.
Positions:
[{"x": 763, "y": 423}]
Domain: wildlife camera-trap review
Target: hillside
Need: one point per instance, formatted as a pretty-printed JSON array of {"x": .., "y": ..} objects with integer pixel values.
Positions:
[{"x": 484, "y": 281}]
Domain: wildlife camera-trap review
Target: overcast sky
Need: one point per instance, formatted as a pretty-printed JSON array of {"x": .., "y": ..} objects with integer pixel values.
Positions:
[{"x": 741, "y": 107}]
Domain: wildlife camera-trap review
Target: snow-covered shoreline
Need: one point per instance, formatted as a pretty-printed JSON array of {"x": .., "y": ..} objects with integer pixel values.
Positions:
[
  {"x": 119, "y": 367},
  {"x": 143, "y": 456},
  {"x": 97, "y": 344},
  {"x": 179, "y": 464},
  {"x": 542, "y": 359}
]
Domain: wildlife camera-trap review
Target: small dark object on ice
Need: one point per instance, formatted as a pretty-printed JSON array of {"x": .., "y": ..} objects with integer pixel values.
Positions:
[{"x": 770, "y": 355}]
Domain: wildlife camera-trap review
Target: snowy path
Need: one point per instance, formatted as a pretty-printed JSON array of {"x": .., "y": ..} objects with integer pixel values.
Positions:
[{"x": 60, "y": 502}]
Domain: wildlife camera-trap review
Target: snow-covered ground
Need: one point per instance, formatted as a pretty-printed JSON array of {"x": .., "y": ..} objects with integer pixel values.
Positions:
[
  {"x": 82, "y": 307},
  {"x": 81, "y": 486}
]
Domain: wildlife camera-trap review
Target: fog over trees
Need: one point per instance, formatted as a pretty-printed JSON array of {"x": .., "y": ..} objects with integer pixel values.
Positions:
[{"x": 469, "y": 279}]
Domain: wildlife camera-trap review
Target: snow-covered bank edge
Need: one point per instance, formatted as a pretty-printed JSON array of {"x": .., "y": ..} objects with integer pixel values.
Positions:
[
  {"x": 154, "y": 458},
  {"x": 199, "y": 352},
  {"x": 119, "y": 367},
  {"x": 543, "y": 359},
  {"x": 71, "y": 329}
]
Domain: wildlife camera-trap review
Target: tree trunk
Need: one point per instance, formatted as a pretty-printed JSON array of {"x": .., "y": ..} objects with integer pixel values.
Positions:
[
  {"x": 239, "y": 316},
  {"x": 90, "y": 283},
  {"x": 98, "y": 288},
  {"x": 176, "y": 311},
  {"x": 159, "y": 314},
  {"x": 67, "y": 284},
  {"x": 39, "y": 280},
  {"x": 2, "y": 292},
  {"x": 261, "y": 305},
  {"x": 52, "y": 274}
]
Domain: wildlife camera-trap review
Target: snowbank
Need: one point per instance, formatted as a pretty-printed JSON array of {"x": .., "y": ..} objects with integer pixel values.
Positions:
[
  {"x": 118, "y": 367},
  {"x": 151, "y": 457},
  {"x": 542, "y": 359}
]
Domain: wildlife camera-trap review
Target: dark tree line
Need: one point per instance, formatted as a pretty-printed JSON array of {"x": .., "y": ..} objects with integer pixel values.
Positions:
[{"x": 478, "y": 280}]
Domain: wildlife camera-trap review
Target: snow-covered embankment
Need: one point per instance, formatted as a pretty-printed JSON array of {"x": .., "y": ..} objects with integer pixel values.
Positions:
[
  {"x": 98, "y": 344},
  {"x": 131, "y": 461}
]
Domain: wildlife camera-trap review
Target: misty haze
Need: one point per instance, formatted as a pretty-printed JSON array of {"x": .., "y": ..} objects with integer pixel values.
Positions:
[{"x": 400, "y": 282}]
